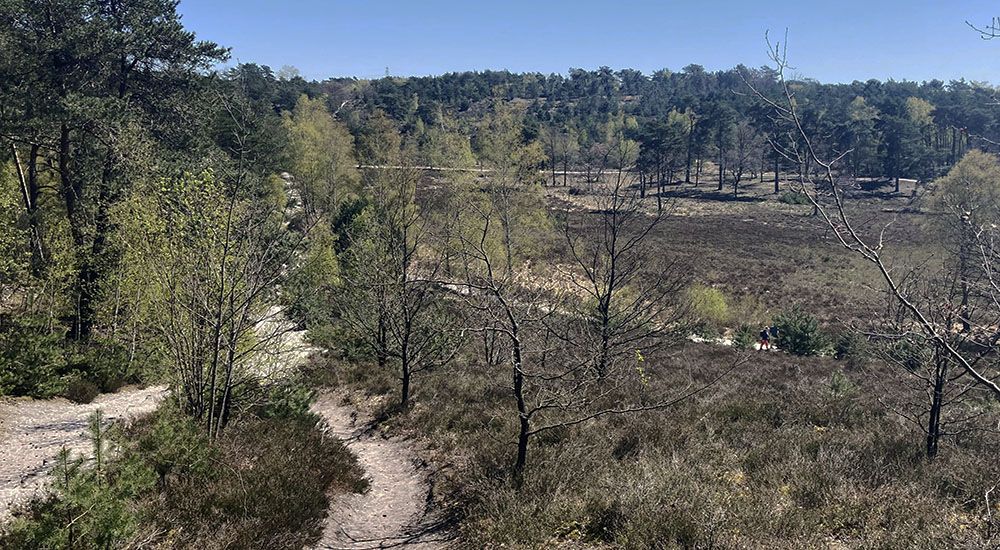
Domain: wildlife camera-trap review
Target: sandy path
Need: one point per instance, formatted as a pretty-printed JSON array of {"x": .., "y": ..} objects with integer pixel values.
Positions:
[
  {"x": 33, "y": 432},
  {"x": 393, "y": 513}
]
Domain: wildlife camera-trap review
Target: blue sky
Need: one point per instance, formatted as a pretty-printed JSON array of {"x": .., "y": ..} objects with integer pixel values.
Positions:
[{"x": 830, "y": 40}]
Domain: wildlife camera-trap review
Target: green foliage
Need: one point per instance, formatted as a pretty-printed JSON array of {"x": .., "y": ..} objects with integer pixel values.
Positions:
[
  {"x": 291, "y": 399},
  {"x": 800, "y": 333},
  {"x": 308, "y": 292},
  {"x": 286, "y": 466},
  {"x": 172, "y": 445},
  {"x": 841, "y": 385},
  {"x": 964, "y": 201},
  {"x": 78, "y": 389},
  {"x": 92, "y": 505},
  {"x": 745, "y": 337},
  {"x": 37, "y": 362},
  {"x": 794, "y": 197},
  {"x": 31, "y": 359},
  {"x": 707, "y": 308},
  {"x": 853, "y": 348},
  {"x": 161, "y": 481},
  {"x": 322, "y": 155},
  {"x": 104, "y": 363}
]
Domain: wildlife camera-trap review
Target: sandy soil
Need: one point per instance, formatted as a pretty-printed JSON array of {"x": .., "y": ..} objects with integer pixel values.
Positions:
[
  {"x": 32, "y": 433},
  {"x": 393, "y": 513}
]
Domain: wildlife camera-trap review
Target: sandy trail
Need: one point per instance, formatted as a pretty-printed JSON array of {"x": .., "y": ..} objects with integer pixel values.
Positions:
[
  {"x": 33, "y": 432},
  {"x": 393, "y": 513}
]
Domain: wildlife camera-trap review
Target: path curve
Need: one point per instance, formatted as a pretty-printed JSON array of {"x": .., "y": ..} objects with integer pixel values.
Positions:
[
  {"x": 32, "y": 432},
  {"x": 394, "y": 511}
]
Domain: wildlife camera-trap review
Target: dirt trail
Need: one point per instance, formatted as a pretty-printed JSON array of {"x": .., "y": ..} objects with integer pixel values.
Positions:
[
  {"x": 393, "y": 513},
  {"x": 33, "y": 432}
]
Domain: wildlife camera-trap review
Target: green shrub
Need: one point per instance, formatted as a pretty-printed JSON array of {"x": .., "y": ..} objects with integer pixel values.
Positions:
[
  {"x": 909, "y": 354},
  {"x": 707, "y": 308},
  {"x": 853, "y": 348},
  {"x": 286, "y": 466},
  {"x": 288, "y": 400},
  {"x": 104, "y": 364},
  {"x": 745, "y": 337},
  {"x": 263, "y": 483},
  {"x": 799, "y": 333},
  {"x": 92, "y": 505},
  {"x": 31, "y": 359},
  {"x": 78, "y": 389},
  {"x": 794, "y": 197}
]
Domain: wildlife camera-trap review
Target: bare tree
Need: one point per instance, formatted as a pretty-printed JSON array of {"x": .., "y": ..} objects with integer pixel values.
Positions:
[
  {"x": 930, "y": 316},
  {"x": 569, "y": 364},
  {"x": 389, "y": 289},
  {"x": 618, "y": 271},
  {"x": 746, "y": 147}
]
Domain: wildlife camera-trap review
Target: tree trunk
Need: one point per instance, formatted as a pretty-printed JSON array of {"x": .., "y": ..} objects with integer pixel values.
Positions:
[
  {"x": 405, "y": 393},
  {"x": 31, "y": 191},
  {"x": 722, "y": 171},
  {"x": 404, "y": 359},
  {"x": 687, "y": 169},
  {"x": 522, "y": 410},
  {"x": 777, "y": 167},
  {"x": 937, "y": 403}
]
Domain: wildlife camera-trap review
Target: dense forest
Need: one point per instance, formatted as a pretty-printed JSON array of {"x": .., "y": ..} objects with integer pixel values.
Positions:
[
  {"x": 242, "y": 309},
  {"x": 892, "y": 129}
]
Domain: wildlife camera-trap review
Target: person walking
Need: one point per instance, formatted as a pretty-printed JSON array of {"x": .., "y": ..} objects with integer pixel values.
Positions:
[{"x": 765, "y": 338}]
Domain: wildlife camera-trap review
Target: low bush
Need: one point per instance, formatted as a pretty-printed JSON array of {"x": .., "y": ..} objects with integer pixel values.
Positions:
[
  {"x": 788, "y": 452},
  {"x": 78, "y": 389},
  {"x": 31, "y": 359},
  {"x": 707, "y": 308},
  {"x": 800, "y": 334},
  {"x": 853, "y": 348},
  {"x": 908, "y": 353},
  {"x": 794, "y": 197},
  {"x": 745, "y": 337},
  {"x": 36, "y": 361}
]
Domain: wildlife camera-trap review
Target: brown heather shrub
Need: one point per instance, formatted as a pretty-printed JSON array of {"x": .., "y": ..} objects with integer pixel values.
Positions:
[
  {"x": 267, "y": 488},
  {"x": 789, "y": 452}
]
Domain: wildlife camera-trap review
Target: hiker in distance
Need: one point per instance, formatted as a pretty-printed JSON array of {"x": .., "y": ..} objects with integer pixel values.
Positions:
[{"x": 765, "y": 338}]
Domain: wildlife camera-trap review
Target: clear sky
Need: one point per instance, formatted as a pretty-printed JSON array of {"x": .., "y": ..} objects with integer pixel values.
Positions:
[{"x": 830, "y": 40}]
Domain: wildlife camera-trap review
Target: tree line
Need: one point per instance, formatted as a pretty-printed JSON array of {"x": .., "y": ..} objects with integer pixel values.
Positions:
[{"x": 683, "y": 120}]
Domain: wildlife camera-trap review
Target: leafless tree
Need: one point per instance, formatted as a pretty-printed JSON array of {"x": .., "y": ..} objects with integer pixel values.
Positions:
[
  {"x": 934, "y": 318},
  {"x": 628, "y": 290},
  {"x": 569, "y": 366},
  {"x": 745, "y": 149},
  {"x": 389, "y": 289}
]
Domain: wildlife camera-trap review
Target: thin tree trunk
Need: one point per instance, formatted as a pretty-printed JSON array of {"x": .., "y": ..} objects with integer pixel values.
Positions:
[
  {"x": 777, "y": 167},
  {"x": 522, "y": 410},
  {"x": 937, "y": 403},
  {"x": 690, "y": 146}
]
